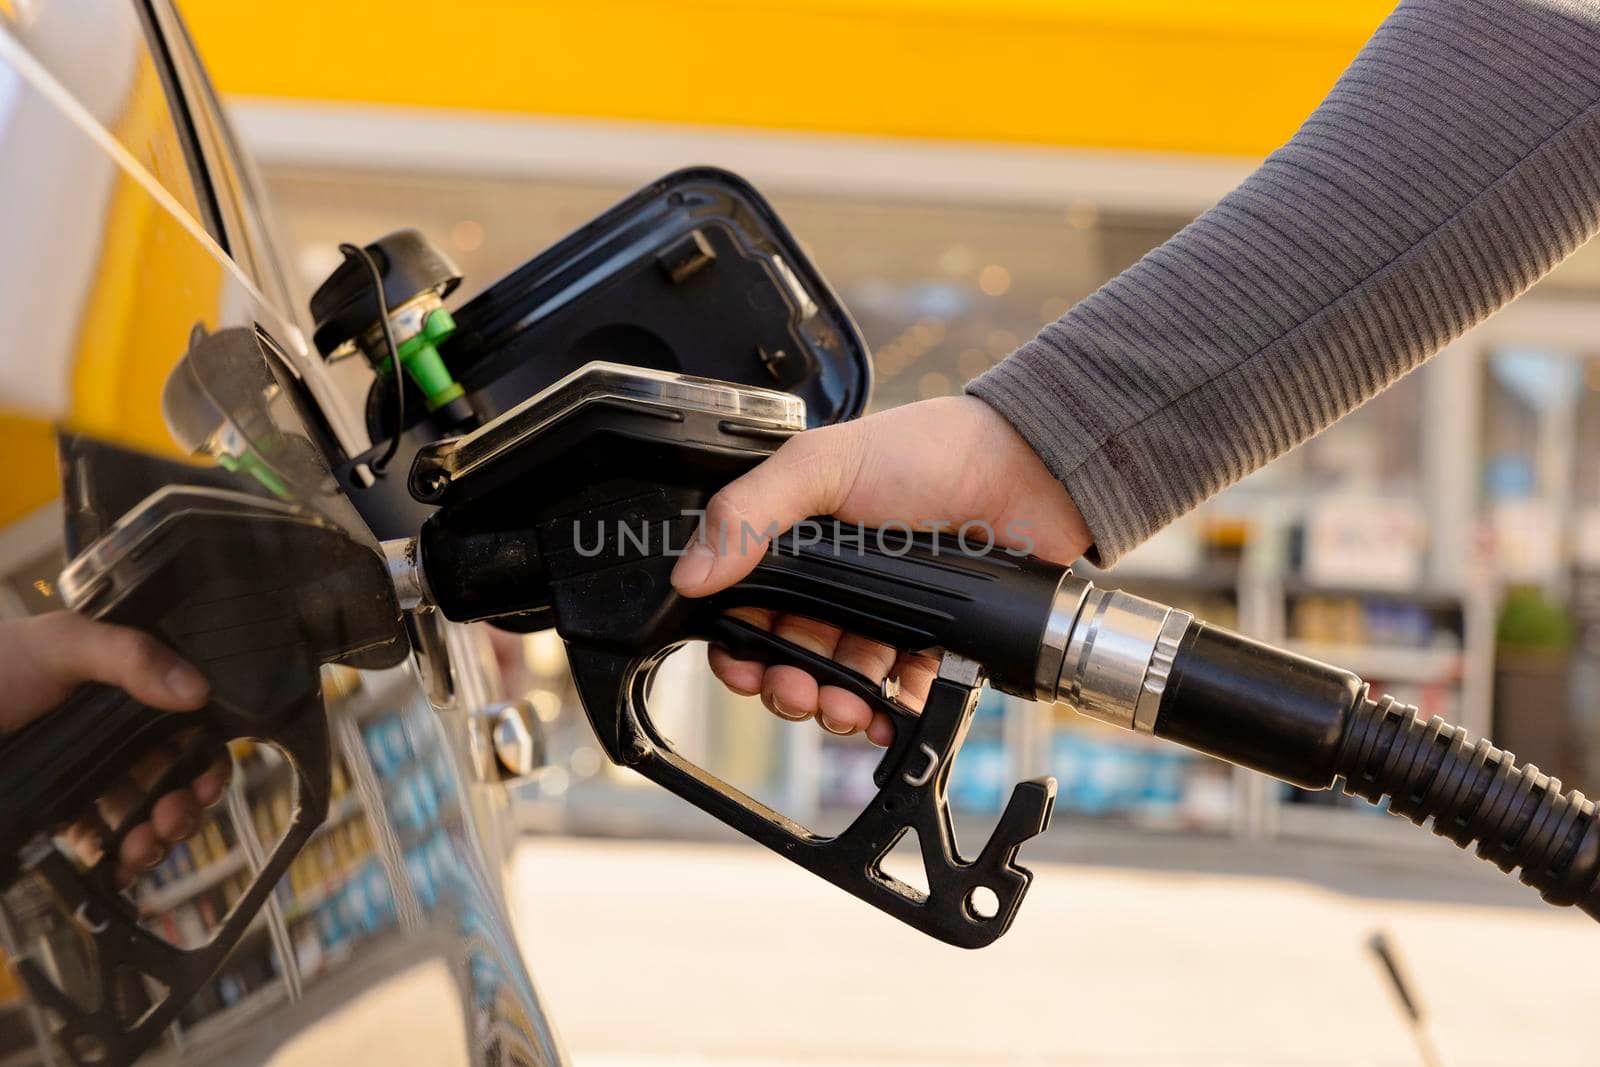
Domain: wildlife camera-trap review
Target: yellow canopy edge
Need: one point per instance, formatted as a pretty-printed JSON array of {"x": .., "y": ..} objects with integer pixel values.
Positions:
[{"x": 1231, "y": 77}]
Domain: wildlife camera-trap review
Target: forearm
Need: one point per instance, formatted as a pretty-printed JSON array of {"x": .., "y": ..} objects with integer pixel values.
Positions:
[{"x": 1455, "y": 162}]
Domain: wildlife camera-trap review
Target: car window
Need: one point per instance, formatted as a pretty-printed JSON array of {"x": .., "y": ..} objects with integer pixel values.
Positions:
[{"x": 102, "y": 54}]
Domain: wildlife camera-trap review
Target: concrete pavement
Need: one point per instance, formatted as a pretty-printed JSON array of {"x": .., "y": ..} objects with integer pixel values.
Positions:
[{"x": 687, "y": 954}]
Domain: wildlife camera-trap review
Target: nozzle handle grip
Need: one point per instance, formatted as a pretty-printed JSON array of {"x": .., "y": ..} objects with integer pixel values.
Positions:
[
  {"x": 912, "y": 591},
  {"x": 58, "y": 764}
]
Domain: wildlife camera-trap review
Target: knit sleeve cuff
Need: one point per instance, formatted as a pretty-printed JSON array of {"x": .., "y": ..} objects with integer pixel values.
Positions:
[{"x": 1023, "y": 391}]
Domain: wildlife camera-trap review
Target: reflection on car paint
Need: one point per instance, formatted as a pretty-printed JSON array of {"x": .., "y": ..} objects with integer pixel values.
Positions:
[{"x": 396, "y": 899}]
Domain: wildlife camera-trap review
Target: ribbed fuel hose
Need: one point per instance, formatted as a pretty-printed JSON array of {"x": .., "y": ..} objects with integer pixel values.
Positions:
[
  {"x": 1312, "y": 724},
  {"x": 1475, "y": 793}
]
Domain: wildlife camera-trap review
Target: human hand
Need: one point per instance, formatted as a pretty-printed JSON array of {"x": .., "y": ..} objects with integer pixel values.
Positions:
[
  {"x": 45, "y": 658},
  {"x": 932, "y": 465}
]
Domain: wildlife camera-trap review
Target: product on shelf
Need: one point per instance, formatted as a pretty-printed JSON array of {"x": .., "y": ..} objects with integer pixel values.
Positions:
[
  {"x": 1099, "y": 776},
  {"x": 1381, "y": 621}
]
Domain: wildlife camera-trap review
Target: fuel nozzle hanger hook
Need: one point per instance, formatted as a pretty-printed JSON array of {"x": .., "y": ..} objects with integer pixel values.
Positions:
[{"x": 417, "y": 277}]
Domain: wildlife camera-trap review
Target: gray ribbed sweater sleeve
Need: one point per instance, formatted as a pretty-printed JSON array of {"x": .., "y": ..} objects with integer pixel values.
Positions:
[{"x": 1453, "y": 163}]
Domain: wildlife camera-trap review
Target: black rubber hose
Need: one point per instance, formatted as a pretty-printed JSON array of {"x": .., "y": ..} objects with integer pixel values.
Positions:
[
  {"x": 1475, "y": 793},
  {"x": 1312, "y": 724}
]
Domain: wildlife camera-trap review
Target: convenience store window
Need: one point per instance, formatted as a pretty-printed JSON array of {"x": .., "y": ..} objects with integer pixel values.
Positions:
[{"x": 941, "y": 291}]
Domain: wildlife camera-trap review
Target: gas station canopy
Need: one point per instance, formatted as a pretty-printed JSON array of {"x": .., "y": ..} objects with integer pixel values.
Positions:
[{"x": 1227, "y": 77}]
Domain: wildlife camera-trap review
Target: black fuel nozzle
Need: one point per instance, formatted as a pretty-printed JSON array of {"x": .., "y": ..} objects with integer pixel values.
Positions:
[
  {"x": 570, "y": 511},
  {"x": 257, "y": 594},
  {"x": 620, "y": 618}
]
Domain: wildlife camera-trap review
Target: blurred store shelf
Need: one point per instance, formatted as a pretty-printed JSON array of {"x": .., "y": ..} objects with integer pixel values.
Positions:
[{"x": 1378, "y": 661}]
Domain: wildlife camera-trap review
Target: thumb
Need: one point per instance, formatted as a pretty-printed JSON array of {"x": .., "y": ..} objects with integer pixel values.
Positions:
[
  {"x": 810, "y": 475},
  {"x": 56, "y": 653}
]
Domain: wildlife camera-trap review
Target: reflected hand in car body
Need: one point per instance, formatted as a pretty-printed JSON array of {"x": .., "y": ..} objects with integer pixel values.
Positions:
[{"x": 44, "y": 659}]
